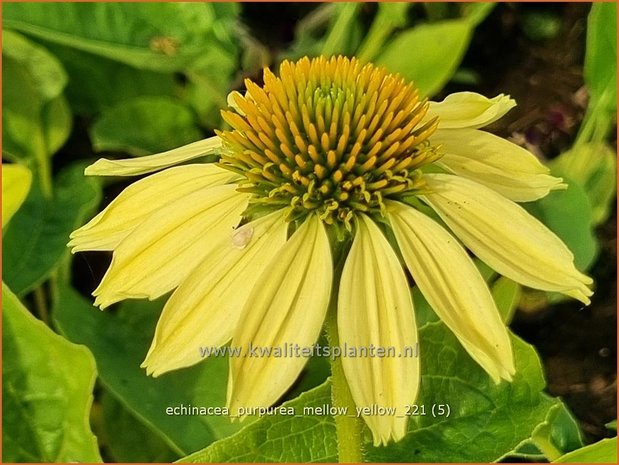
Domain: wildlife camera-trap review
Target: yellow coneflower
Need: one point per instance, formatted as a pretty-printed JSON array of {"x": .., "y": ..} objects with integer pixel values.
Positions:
[{"x": 331, "y": 159}]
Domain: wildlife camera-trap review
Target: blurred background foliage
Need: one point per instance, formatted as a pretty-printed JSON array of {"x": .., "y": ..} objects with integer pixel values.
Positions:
[{"x": 83, "y": 80}]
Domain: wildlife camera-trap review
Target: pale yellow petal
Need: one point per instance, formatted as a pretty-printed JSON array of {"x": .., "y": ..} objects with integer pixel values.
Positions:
[
  {"x": 16, "y": 180},
  {"x": 505, "y": 236},
  {"x": 204, "y": 310},
  {"x": 150, "y": 163},
  {"x": 159, "y": 254},
  {"x": 138, "y": 201},
  {"x": 453, "y": 287},
  {"x": 286, "y": 306},
  {"x": 495, "y": 163},
  {"x": 375, "y": 308},
  {"x": 469, "y": 110}
]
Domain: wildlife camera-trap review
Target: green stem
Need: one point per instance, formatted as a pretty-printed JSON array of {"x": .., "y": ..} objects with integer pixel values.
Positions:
[
  {"x": 378, "y": 34},
  {"x": 548, "y": 448},
  {"x": 349, "y": 428},
  {"x": 40, "y": 302},
  {"x": 44, "y": 171},
  {"x": 43, "y": 164},
  {"x": 596, "y": 123}
]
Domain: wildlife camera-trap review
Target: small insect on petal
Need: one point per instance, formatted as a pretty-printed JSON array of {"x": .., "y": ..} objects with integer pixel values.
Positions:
[{"x": 242, "y": 236}]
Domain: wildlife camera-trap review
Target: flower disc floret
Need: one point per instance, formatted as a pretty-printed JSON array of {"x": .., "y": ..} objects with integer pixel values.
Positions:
[{"x": 330, "y": 136}]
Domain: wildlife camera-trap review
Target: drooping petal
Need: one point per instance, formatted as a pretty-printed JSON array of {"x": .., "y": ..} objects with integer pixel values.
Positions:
[
  {"x": 451, "y": 283},
  {"x": 138, "y": 201},
  {"x": 495, "y": 163},
  {"x": 150, "y": 163},
  {"x": 469, "y": 110},
  {"x": 159, "y": 253},
  {"x": 505, "y": 236},
  {"x": 204, "y": 310},
  {"x": 286, "y": 306},
  {"x": 375, "y": 308}
]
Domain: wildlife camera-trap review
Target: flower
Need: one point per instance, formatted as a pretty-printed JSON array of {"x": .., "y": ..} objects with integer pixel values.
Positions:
[{"x": 331, "y": 162}]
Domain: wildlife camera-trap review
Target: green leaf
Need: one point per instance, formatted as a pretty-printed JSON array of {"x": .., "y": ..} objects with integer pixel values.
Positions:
[
  {"x": 145, "y": 125},
  {"x": 56, "y": 121},
  {"x": 594, "y": 167},
  {"x": 564, "y": 430},
  {"x": 476, "y": 12},
  {"x": 97, "y": 83},
  {"x": 389, "y": 17},
  {"x": 155, "y": 36},
  {"x": 423, "y": 311},
  {"x": 557, "y": 435},
  {"x": 280, "y": 438},
  {"x": 612, "y": 425},
  {"x": 16, "y": 181},
  {"x": 35, "y": 120},
  {"x": 604, "y": 451},
  {"x": 47, "y": 387},
  {"x": 601, "y": 56},
  {"x": 129, "y": 440},
  {"x": 485, "y": 423},
  {"x": 506, "y": 294},
  {"x": 486, "y": 420},
  {"x": 428, "y": 54},
  {"x": 341, "y": 35},
  {"x": 119, "y": 342},
  {"x": 212, "y": 74},
  {"x": 35, "y": 240},
  {"x": 46, "y": 74},
  {"x": 568, "y": 214}
]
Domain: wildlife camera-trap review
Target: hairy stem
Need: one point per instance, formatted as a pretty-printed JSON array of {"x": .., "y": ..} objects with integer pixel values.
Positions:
[{"x": 349, "y": 427}]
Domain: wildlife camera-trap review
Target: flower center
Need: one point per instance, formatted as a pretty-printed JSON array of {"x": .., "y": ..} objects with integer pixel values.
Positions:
[{"x": 329, "y": 136}]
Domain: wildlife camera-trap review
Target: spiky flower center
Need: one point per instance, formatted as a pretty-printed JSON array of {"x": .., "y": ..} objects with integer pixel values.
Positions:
[{"x": 329, "y": 136}]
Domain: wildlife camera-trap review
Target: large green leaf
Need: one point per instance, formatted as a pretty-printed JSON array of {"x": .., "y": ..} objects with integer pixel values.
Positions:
[
  {"x": 155, "y": 36},
  {"x": 428, "y": 54},
  {"x": 280, "y": 438},
  {"x": 486, "y": 421},
  {"x": 35, "y": 240},
  {"x": 129, "y": 440},
  {"x": 35, "y": 117},
  {"x": 557, "y": 435},
  {"x": 97, "y": 83},
  {"x": 47, "y": 387},
  {"x": 145, "y": 125},
  {"x": 119, "y": 342},
  {"x": 601, "y": 56},
  {"x": 604, "y": 451}
]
